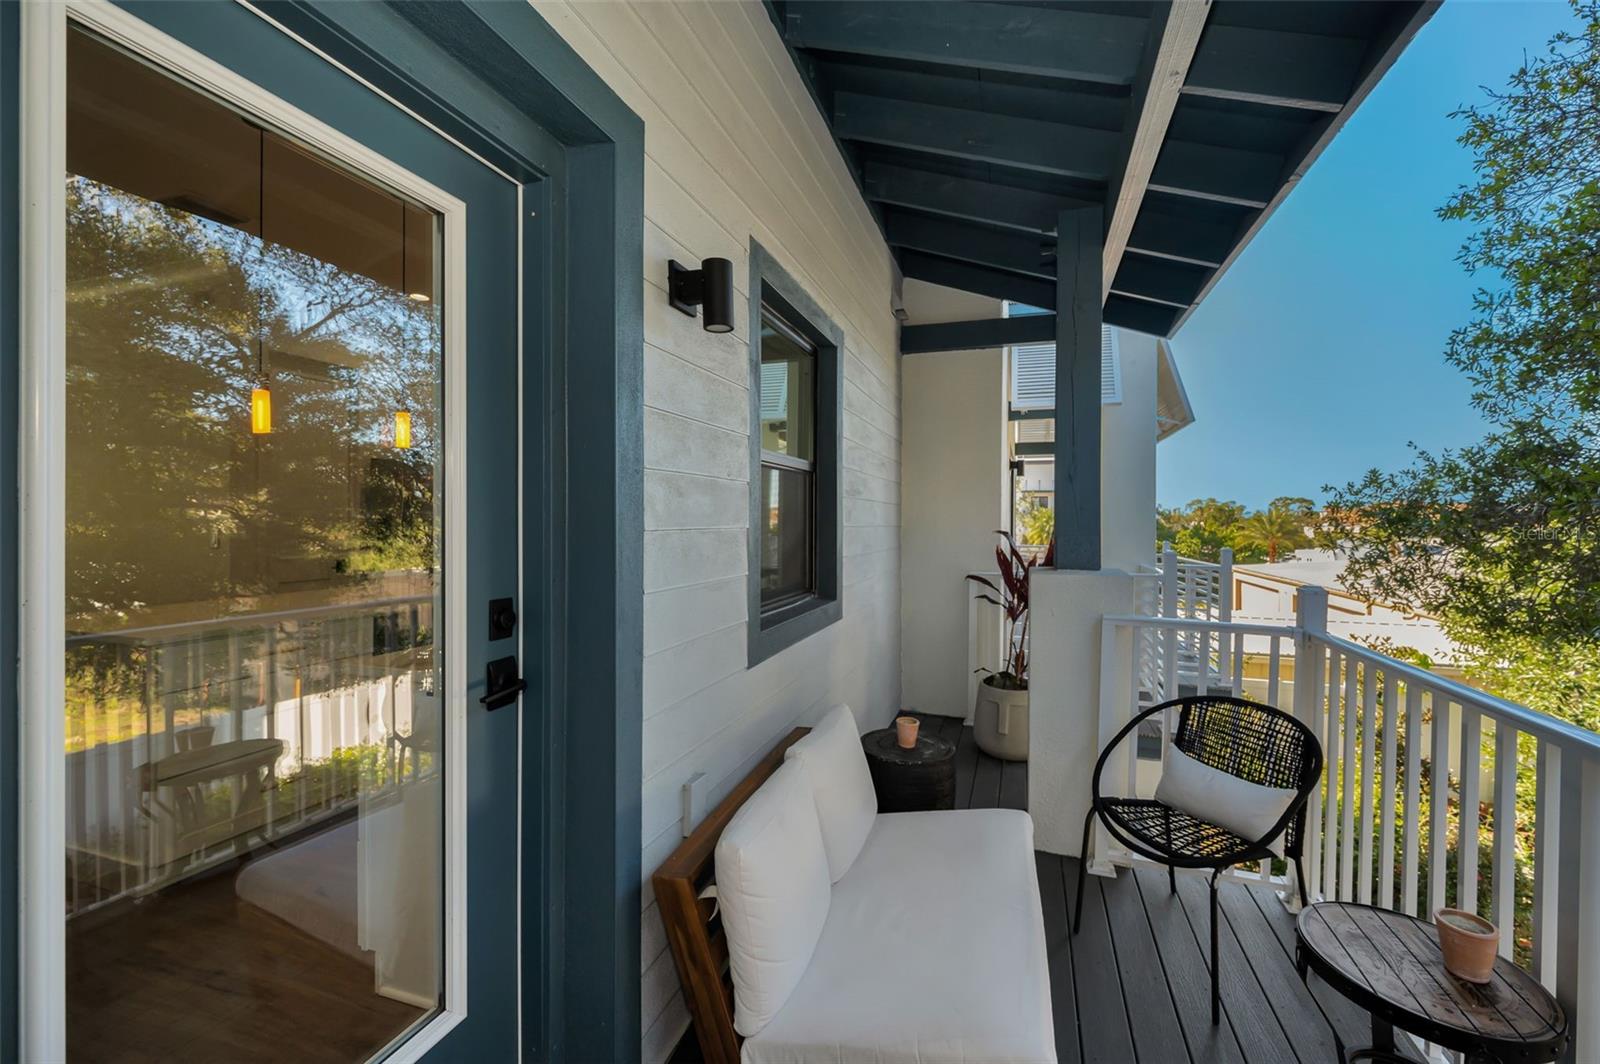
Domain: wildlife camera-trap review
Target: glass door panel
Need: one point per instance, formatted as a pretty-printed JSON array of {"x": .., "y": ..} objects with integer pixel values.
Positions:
[{"x": 254, "y": 705}]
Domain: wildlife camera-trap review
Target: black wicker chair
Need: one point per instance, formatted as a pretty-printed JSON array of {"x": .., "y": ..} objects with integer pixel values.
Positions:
[{"x": 1254, "y": 742}]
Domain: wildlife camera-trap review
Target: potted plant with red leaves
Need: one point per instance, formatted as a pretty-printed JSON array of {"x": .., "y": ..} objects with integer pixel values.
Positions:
[{"x": 1000, "y": 718}]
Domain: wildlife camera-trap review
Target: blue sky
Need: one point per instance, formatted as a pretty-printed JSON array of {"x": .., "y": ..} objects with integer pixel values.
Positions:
[{"x": 1320, "y": 353}]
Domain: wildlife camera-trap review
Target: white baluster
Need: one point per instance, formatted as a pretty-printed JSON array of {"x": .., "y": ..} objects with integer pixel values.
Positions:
[
  {"x": 1546, "y": 862},
  {"x": 1368, "y": 795},
  {"x": 1387, "y": 797},
  {"x": 1409, "y": 859},
  {"x": 1438, "y": 842},
  {"x": 1504, "y": 906},
  {"x": 1467, "y": 815},
  {"x": 1332, "y": 749}
]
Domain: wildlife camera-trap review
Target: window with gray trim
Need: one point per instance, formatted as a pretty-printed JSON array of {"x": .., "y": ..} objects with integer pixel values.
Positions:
[{"x": 796, "y": 396}]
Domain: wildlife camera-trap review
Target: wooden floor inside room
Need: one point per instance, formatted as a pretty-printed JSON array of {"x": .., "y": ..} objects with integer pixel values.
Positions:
[{"x": 193, "y": 973}]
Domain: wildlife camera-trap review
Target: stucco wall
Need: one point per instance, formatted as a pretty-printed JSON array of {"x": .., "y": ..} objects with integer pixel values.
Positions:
[
  {"x": 953, "y": 495},
  {"x": 1128, "y": 460},
  {"x": 735, "y": 148}
]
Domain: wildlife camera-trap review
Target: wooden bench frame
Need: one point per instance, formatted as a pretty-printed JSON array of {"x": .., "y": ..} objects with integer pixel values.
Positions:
[{"x": 694, "y": 931}]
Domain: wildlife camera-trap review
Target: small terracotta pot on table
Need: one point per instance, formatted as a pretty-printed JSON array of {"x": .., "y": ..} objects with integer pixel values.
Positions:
[{"x": 1469, "y": 944}]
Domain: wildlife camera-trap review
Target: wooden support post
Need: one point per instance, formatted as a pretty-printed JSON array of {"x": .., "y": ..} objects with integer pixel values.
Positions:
[{"x": 1078, "y": 268}]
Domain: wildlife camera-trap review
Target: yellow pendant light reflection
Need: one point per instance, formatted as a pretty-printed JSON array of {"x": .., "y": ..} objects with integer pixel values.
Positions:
[
  {"x": 402, "y": 428},
  {"x": 261, "y": 411}
]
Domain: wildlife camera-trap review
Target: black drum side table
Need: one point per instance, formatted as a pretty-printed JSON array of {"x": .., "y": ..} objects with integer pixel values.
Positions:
[
  {"x": 1389, "y": 964},
  {"x": 923, "y": 777}
]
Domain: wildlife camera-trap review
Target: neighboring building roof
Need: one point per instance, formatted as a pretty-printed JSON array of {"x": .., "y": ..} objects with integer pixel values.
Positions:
[
  {"x": 1173, "y": 409},
  {"x": 1350, "y": 616},
  {"x": 1312, "y": 565}
]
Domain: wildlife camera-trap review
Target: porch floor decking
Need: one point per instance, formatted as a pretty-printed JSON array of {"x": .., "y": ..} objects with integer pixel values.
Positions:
[{"x": 1134, "y": 984}]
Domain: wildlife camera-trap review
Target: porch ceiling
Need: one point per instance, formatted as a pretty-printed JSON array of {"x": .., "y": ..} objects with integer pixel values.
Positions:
[{"x": 970, "y": 126}]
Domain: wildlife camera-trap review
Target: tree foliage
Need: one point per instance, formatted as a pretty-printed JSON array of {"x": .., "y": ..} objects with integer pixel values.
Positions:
[
  {"x": 1500, "y": 537},
  {"x": 1205, "y": 526}
]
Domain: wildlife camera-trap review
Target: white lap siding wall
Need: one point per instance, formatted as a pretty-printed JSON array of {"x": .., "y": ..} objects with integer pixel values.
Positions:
[{"x": 734, "y": 149}]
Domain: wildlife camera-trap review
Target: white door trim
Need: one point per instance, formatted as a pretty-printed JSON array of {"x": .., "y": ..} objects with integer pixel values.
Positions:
[{"x": 42, "y": 474}]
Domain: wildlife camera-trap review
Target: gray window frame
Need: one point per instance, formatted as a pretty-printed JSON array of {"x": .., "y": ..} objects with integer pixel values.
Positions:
[{"x": 778, "y": 629}]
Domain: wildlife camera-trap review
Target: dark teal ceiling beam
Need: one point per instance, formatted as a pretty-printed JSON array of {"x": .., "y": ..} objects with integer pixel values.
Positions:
[
  {"x": 1225, "y": 175},
  {"x": 1027, "y": 143},
  {"x": 960, "y": 197},
  {"x": 1046, "y": 42},
  {"x": 946, "y": 86},
  {"x": 1300, "y": 70},
  {"x": 1031, "y": 254},
  {"x": 982, "y": 280},
  {"x": 1157, "y": 319},
  {"x": 1078, "y": 389},
  {"x": 1177, "y": 283},
  {"x": 977, "y": 335},
  {"x": 1175, "y": 235}
]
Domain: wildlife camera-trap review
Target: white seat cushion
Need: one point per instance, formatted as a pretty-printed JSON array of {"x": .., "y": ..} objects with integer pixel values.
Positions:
[
  {"x": 933, "y": 952},
  {"x": 842, "y": 783},
  {"x": 773, "y": 887},
  {"x": 1247, "y": 809}
]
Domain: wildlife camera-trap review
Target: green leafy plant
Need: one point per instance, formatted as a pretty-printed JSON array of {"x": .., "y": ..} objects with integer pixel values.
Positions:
[{"x": 1015, "y": 569}]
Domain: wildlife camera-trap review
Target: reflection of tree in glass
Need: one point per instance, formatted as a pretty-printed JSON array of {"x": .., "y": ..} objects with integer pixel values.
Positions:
[{"x": 171, "y": 500}]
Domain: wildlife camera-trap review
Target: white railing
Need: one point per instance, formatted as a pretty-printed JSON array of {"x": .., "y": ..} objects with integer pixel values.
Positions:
[
  {"x": 1434, "y": 794},
  {"x": 344, "y": 689},
  {"x": 1201, "y": 591},
  {"x": 986, "y": 636}
]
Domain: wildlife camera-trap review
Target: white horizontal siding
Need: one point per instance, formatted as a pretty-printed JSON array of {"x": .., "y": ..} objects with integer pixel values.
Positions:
[{"x": 735, "y": 149}]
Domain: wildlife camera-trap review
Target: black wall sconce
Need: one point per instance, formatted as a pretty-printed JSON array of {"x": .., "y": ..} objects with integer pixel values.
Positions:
[{"x": 709, "y": 287}]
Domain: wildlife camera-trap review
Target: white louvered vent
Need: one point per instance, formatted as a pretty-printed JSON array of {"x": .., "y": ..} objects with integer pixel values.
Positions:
[{"x": 1033, "y": 373}]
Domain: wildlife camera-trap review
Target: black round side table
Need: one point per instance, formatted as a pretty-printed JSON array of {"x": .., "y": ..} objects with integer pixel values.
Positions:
[
  {"x": 1389, "y": 964},
  {"x": 923, "y": 777}
]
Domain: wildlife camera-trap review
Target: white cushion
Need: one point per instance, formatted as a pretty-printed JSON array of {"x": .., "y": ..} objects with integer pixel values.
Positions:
[
  {"x": 1247, "y": 809},
  {"x": 773, "y": 887},
  {"x": 934, "y": 952},
  {"x": 842, "y": 783}
]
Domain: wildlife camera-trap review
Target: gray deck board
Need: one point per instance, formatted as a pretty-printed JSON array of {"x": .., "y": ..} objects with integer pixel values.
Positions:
[
  {"x": 1058, "y": 947},
  {"x": 1255, "y": 1024},
  {"x": 1188, "y": 977},
  {"x": 1157, "y": 1033},
  {"x": 1103, "y": 1030}
]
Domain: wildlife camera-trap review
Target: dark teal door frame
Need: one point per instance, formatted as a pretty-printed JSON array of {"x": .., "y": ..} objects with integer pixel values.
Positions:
[{"x": 501, "y": 82}]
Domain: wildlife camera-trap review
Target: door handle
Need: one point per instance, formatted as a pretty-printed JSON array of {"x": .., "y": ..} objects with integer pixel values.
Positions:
[{"x": 503, "y": 683}]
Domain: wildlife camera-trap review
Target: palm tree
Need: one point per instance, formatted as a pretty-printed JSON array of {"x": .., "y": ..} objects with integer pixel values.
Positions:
[{"x": 1276, "y": 529}]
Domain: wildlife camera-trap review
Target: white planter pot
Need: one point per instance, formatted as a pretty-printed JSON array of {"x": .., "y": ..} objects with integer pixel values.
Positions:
[{"x": 1000, "y": 722}]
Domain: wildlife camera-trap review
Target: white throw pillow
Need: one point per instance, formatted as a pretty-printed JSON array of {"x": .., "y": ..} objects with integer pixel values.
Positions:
[
  {"x": 842, "y": 783},
  {"x": 1247, "y": 809},
  {"x": 773, "y": 888}
]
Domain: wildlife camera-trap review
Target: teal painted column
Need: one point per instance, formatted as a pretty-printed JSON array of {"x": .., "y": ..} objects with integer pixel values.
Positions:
[{"x": 1078, "y": 314}]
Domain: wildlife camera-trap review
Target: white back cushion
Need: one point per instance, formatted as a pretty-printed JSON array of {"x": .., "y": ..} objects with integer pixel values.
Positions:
[
  {"x": 846, "y": 802},
  {"x": 773, "y": 887},
  {"x": 1247, "y": 809}
]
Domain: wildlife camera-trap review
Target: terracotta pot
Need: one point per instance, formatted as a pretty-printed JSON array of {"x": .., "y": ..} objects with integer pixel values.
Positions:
[
  {"x": 906, "y": 731},
  {"x": 1469, "y": 944},
  {"x": 1000, "y": 722}
]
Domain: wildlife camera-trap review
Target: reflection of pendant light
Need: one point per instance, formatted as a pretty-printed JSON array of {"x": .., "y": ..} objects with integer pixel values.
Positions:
[
  {"x": 402, "y": 418},
  {"x": 405, "y": 253},
  {"x": 261, "y": 410},
  {"x": 261, "y": 395}
]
